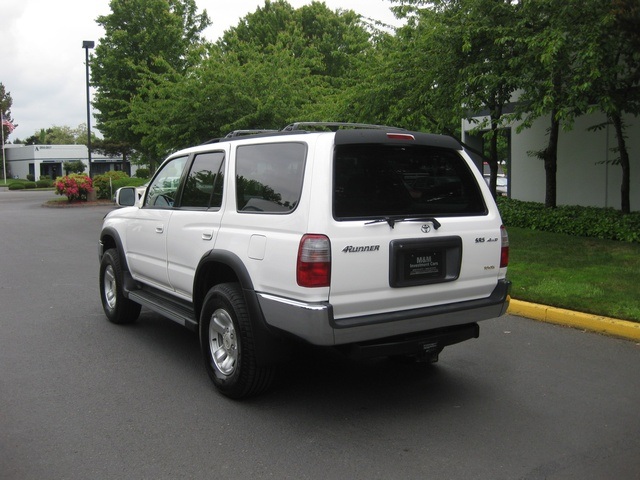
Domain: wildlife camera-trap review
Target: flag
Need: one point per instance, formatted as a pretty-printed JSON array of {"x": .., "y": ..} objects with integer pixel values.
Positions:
[{"x": 8, "y": 124}]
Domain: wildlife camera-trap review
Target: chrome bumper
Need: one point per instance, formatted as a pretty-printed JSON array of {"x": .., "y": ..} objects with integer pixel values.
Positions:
[{"x": 315, "y": 322}]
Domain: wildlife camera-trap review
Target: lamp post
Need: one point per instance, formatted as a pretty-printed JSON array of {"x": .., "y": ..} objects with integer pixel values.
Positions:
[{"x": 87, "y": 44}]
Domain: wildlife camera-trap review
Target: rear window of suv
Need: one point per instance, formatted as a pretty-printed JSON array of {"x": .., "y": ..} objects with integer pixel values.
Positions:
[{"x": 382, "y": 180}]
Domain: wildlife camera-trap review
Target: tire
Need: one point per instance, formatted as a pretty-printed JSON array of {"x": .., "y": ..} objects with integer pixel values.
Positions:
[
  {"x": 227, "y": 343},
  {"x": 116, "y": 306}
]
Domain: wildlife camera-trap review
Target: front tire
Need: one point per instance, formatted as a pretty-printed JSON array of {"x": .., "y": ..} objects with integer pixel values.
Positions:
[
  {"x": 227, "y": 343},
  {"x": 116, "y": 306}
]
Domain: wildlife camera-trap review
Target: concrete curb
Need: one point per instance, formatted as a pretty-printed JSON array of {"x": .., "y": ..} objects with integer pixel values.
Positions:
[{"x": 584, "y": 321}]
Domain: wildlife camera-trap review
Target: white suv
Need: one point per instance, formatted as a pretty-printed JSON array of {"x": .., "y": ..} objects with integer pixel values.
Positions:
[{"x": 374, "y": 240}]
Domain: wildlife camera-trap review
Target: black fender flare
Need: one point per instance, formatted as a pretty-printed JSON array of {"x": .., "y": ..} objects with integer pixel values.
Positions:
[
  {"x": 113, "y": 233},
  {"x": 271, "y": 347}
]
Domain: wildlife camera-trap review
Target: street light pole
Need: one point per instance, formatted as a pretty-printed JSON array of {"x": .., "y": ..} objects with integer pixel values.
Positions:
[{"x": 87, "y": 44}]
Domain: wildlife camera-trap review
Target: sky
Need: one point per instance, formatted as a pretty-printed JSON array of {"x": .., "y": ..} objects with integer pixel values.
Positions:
[{"x": 42, "y": 62}]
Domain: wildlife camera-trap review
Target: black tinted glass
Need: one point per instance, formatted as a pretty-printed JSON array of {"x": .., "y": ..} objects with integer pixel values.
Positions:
[
  {"x": 199, "y": 185},
  {"x": 269, "y": 177},
  {"x": 380, "y": 180}
]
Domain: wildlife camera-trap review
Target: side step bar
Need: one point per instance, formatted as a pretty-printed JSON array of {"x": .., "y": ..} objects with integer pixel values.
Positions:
[{"x": 180, "y": 312}]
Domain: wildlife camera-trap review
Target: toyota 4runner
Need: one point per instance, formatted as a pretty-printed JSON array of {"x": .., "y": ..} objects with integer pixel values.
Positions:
[{"x": 374, "y": 240}]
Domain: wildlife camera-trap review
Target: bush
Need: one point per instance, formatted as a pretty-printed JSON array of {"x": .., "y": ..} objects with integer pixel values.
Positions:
[
  {"x": 29, "y": 184},
  {"x": 128, "y": 182},
  {"x": 16, "y": 186},
  {"x": 75, "y": 186},
  {"x": 75, "y": 166},
  {"x": 31, "y": 178},
  {"x": 143, "y": 173},
  {"x": 105, "y": 182},
  {"x": 44, "y": 183},
  {"x": 603, "y": 223}
]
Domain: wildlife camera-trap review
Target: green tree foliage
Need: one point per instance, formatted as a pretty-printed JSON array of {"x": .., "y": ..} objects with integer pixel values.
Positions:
[
  {"x": 447, "y": 63},
  {"x": 76, "y": 166},
  {"x": 611, "y": 67},
  {"x": 160, "y": 87},
  {"x": 278, "y": 65},
  {"x": 5, "y": 107},
  {"x": 143, "y": 39},
  {"x": 577, "y": 57},
  {"x": 59, "y": 135},
  {"x": 547, "y": 32}
]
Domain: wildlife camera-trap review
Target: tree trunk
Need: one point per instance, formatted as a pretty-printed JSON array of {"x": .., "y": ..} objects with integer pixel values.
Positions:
[
  {"x": 550, "y": 157},
  {"x": 493, "y": 157},
  {"x": 625, "y": 187}
]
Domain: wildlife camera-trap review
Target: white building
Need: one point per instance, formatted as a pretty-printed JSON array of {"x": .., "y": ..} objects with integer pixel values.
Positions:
[
  {"x": 585, "y": 175},
  {"x": 47, "y": 160}
]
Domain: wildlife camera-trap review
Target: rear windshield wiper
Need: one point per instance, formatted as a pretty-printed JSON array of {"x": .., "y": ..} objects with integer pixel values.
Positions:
[{"x": 393, "y": 219}]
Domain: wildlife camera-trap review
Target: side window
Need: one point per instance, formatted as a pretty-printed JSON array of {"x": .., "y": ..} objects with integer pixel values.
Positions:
[
  {"x": 162, "y": 190},
  {"x": 203, "y": 186},
  {"x": 269, "y": 177}
]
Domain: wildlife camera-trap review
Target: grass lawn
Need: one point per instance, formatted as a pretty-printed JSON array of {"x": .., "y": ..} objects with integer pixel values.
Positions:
[{"x": 583, "y": 274}]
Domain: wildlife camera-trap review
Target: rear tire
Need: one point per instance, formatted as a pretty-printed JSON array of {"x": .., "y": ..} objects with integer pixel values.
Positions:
[
  {"x": 227, "y": 343},
  {"x": 116, "y": 306}
]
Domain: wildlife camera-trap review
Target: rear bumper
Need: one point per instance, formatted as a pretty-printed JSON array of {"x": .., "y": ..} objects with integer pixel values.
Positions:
[
  {"x": 315, "y": 322},
  {"x": 421, "y": 345}
]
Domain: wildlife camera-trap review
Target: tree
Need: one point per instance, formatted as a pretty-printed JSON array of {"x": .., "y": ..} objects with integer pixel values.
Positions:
[
  {"x": 478, "y": 31},
  {"x": 80, "y": 134},
  {"x": 6, "y": 124},
  {"x": 447, "y": 63},
  {"x": 545, "y": 68},
  {"x": 75, "y": 166},
  {"x": 5, "y": 108},
  {"x": 38, "y": 138},
  {"x": 277, "y": 66},
  {"x": 555, "y": 36},
  {"x": 143, "y": 38},
  {"x": 612, "y": 65},
  {"x": 59, "y": 135}
]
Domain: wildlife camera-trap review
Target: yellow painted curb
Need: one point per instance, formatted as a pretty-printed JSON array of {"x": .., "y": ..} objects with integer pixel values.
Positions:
[{"x": 584, "y": 321}]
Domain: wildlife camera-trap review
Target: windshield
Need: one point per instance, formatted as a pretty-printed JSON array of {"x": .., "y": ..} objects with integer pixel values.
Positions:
[{"x": 371, "y": 181}]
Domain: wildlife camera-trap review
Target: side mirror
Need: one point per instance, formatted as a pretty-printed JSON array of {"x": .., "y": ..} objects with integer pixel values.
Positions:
[{"x": 126, "y": 196}]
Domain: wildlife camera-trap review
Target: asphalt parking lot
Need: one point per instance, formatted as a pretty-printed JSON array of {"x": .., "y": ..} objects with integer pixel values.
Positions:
[{"x": 81, "y": 398}]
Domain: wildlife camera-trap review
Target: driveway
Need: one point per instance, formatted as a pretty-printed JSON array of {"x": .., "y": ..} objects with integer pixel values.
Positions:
[{"x": 81, "y": 398}]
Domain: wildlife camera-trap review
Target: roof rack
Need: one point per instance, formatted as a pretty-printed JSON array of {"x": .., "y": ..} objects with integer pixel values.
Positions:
[
  {"x": 240, "y": 133},
  {"x": 335, "y": 126},
  {"x": 303, "y": 127}
]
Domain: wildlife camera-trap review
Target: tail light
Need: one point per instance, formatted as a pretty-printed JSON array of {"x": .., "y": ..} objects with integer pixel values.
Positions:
[
  {"x": 314, "y": 261},
  {"x": 504, "y": 243}
]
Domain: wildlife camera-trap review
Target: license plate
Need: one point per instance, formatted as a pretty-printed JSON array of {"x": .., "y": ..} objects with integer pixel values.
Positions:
[
  {"x": 414, "y": 262},
  {"x": 423, "y": 265}
]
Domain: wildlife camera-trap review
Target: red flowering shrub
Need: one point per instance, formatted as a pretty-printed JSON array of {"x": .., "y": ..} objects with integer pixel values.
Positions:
[{"x": 75, "y": 186}]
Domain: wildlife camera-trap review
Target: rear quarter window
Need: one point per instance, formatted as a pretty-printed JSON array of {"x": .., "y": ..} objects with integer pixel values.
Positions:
[
  {"x": 269, "y": 177},
  {"x": 383, "y": 180}
]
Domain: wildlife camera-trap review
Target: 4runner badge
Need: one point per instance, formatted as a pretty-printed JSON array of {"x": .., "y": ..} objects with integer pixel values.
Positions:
[{"x": 368, "y": 248}]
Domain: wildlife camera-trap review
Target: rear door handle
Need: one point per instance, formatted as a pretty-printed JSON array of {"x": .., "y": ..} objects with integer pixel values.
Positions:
[
  {"x": 160, "y": 229},
  {"x": 207, "y": 236}
]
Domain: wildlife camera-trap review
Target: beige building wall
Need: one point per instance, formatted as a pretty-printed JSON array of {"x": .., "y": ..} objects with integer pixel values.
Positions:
[{"x": 585, "y": 175}]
